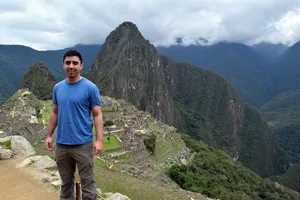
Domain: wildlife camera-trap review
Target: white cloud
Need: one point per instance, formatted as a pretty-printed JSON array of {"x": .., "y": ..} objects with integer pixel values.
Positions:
[{"x": 57, "y": 24}]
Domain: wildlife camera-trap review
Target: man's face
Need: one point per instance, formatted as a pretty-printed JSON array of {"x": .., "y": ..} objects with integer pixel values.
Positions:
[{"x": 72, "y": 66}]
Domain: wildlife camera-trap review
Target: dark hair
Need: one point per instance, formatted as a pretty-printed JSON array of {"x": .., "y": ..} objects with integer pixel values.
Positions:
[{"x": 73, "y": 53}]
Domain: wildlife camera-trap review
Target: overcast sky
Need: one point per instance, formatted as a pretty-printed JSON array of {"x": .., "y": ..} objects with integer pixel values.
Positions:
[{"x": 56, "y": 24}]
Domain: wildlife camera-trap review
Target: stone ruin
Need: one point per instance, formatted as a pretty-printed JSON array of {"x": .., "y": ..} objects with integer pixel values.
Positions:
[
  {"x": 131, "y": 127},
  {"x": 18, "y": 116}
]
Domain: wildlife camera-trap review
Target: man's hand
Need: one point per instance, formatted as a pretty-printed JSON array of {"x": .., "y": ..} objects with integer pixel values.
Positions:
[
  {"x": 48, "y": 143},
  {"x": 97, "y": 147}
]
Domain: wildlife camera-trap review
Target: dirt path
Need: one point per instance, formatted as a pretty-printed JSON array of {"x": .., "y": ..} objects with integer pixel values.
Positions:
[{"x": 21, "y": 185}]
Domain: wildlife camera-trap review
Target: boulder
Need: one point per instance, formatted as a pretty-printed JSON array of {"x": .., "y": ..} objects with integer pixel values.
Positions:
[
  {"x": 40, "y": 162},
  {"x": 117, "y": 196},
  {"x": 5, "y": 153},
  {"x": 28, "y": 161},
  {"x": 45, "y": 162},
  {"x": 21, "y": 147},
  {"x": 2, "y": 134}
]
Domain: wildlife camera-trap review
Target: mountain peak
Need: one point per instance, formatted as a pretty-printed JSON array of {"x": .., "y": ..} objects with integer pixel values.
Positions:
[
  {"x": 125, "y": 42},
  {"x": 125, "y": 31},
  {"x": 39, "y": 80},
  {"x": 128, "y": 25}
]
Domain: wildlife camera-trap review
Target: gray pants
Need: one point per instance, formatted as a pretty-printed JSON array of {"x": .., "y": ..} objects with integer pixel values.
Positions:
[{"x": 67, "y": 156}]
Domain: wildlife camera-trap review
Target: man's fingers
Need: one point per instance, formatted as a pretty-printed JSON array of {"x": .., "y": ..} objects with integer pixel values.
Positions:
[{"x": 49, "y": 146}]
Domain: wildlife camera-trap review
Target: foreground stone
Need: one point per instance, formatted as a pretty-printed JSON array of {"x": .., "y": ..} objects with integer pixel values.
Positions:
[
  {"x": 5, "y": 153},
  {"x": 40, "y": 162},
  {"x": 21, "y": 147},
  {"x": 116, "y": 196}
]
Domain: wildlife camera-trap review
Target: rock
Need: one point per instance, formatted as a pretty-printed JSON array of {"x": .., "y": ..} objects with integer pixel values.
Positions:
[
  {"x": 45, "y": 162},
  {"x": 56, "y": 184},
  {"x": 117, "y": 196},
  {"x": 5, "y": 154},
  {"x": 21, "y": 146},
  {"x": 99, "y": 192},
  {"x": 40, "y": 162},
  {"x": 2, "y": 134},
  {"x": 107, "y": 194},
  {"x": 49, "y": 178},
  {"x": 28, "y": 161}
]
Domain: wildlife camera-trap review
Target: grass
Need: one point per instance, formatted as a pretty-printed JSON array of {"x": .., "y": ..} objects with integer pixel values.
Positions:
[
  {"x": 112, "y": 144},
  {"x": 46, "y": 112},
  {"x": 135, "y": 189},
  {"x": 6, "y": 144},
  {"x": 40, "y": 149},
  {"x": 100, "y": 162},
  {"x": 124, "y": 160},
  {"x": 109, "y": 110}
]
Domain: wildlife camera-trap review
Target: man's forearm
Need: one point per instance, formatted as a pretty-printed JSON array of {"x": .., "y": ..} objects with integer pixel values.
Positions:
[
  {"x": 99, "y": 127},
  {"x": 52, "y": 124}
]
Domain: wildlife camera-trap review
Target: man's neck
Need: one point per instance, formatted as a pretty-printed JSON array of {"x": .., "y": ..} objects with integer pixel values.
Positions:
[{"x": 74, "y": 79}]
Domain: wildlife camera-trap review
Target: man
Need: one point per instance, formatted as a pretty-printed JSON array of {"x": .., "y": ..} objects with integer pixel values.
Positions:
[{"x": 74, "y": 99}]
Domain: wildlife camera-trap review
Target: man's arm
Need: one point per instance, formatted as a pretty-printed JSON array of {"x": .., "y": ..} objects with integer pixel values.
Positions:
[
  {"x": 51, "y": 127},
  {"x": 53, "y": 120},
  {"x": 98, "y": 121}
]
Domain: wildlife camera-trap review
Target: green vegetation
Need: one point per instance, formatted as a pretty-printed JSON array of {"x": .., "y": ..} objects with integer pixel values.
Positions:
[
  {"x": 40, "y": 149},
  {"x": 291, "y": 178},
  {"x": 214, "y": 173},
  {"x": 283, "y": 115},
  {"x": 134, "y": 188},
  {"x": 282, "y": 110},
  {"x": 100, "y": 162},
  {"x": 166, "y": 143},
  {"x": 124, "y": 160},
  {"x": 6, "y": 144},
  {"x": 45, "y": 113},
  {"x": 256, "y": 134},
  {"x": 288, "y": 137},
  {"x": 203, "y": 120},
  {"x": 150, "y": 143},
  {"x": 113, "y": 143}
]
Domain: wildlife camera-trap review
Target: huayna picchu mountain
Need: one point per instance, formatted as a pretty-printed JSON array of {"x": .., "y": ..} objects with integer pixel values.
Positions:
[
  {"x": 195, "y": 100},
  {"x": 39, "y": 80}
]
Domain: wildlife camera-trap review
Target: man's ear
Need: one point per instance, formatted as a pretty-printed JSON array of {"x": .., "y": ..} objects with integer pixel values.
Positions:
[{"x": 82, "y": 66}]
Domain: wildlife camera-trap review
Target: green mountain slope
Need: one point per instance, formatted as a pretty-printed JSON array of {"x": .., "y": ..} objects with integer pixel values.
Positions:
[
  {"x": 291, "y": 178},
  {"x": 283, "y": 115},
  {"x": 39, "y": 80},
  {"x": 213, "y": 173},
  {"x": 195, "y": 100}
]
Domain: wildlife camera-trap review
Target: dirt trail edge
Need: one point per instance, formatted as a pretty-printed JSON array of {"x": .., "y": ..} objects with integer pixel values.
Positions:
[{"x": 21, "y": 184}]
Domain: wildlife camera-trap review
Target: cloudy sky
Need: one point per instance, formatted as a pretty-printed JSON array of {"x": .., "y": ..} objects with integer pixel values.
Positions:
[{"x": 56, "y": 24}]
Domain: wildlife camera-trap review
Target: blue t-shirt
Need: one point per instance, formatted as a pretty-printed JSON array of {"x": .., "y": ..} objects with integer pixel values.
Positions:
[{"x": 75, "y": 102}]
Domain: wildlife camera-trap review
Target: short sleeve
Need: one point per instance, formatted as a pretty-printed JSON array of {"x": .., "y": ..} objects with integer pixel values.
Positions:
[
  {"x": 95, "y": 97},
  {"x": 54, "y": 98}
]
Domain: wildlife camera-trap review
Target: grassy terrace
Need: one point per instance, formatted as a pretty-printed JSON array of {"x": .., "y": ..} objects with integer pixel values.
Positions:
[
  {"x": 113, "y": 143},
  {"x": 165, "y": 147},
  {"x": 46, "y": 112}
]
